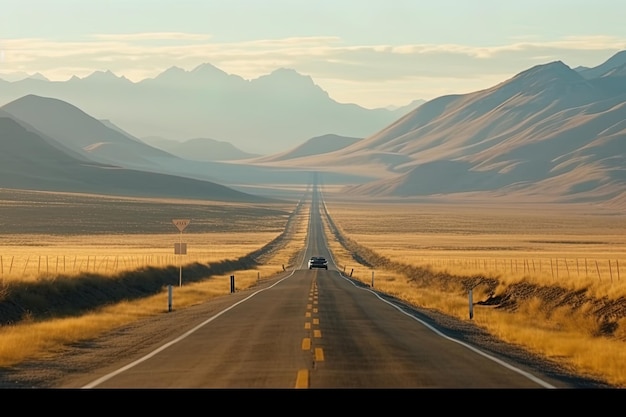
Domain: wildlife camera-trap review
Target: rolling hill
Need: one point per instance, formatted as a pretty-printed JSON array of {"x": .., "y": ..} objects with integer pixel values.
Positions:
[
  {"x": 547, "y": 133},
  {"x": 29, "y": 160},
  {"x": 270, "y": 114},
  {"x": 550, "y": 133},
  {"x": 67, "y": 128},
  {"x": 199, "y": 149}
]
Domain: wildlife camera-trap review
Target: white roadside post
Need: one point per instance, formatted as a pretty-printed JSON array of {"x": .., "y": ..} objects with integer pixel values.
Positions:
[{"x": 180, "y": 248}]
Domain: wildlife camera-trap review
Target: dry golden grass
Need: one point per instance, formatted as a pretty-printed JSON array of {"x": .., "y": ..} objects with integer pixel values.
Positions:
[
  {"x": 511, "y": 245},
  {"x": 218, "y": 232},
  {"x": 20, "y": 259},
  {"x": 41, "y": 339},
  {"x": 574, "y": 247}
]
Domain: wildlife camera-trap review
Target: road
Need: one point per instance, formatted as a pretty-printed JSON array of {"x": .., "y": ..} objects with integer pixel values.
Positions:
[{"x": 315, "y": 329}]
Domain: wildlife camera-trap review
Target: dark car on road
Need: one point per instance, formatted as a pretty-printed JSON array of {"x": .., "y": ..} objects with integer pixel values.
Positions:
[{"x": 318, "y": 262}]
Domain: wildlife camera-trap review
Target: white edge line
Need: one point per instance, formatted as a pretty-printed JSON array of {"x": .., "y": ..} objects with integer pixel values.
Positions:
[
  {"x": 105, "y": 378},
  {"x": 470, "y": 347}
]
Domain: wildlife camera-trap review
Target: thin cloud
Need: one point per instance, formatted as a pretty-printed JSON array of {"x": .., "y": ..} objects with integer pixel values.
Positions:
[
  {"x": 153, "y": 36},
  {"x": 409, "y": 70}
]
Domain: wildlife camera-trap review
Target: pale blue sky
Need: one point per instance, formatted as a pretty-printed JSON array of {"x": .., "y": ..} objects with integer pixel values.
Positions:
[{"x": 369, "y": 52}]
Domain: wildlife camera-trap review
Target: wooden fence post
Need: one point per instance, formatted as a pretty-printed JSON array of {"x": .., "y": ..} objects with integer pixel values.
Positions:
[{"x": 557, "y": 268}]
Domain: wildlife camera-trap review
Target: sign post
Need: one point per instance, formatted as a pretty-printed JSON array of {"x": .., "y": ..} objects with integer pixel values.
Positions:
[{"x": 180, "y": 248}]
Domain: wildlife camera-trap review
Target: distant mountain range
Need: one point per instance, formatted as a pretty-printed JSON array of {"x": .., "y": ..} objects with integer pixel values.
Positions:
[
  {"x": 96, "y": 156},
  {"x": 550, "y": 133},
  {"x": 33, "y": 161},
  {"x": 270, "y": 114},
  {"x": 200, "y": 149}
]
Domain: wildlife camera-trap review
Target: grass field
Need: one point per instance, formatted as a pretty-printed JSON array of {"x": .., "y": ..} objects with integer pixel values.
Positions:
[
  {"x": 101, "y": 242},
  {"x": 557, "y": 274},
  {"x": 26, "y": 257},
  {"x": 50, "y": 233}
]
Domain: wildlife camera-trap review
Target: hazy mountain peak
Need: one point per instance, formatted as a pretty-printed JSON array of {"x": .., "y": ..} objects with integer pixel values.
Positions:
[
  {"x": 547, "y": 77},
  {"x": 107, "y": 75},
  {"x": 291, "y": 75},
  {"x": 32, "y": 104},
  {"x": 171, "y": 72},
  {"x": 613, "y": 66},
  {"x": 285, "y": 72},
  {"x": 201, "y": 77},
  {"x": 38, "y": 76},
  {"x": 288, "y": 80},
  {"x": 552, "y": 71},
  {"x": 616, "y": 60},
  {"x": 208, "y": 69},
  {"x": 284, "y": 75}
]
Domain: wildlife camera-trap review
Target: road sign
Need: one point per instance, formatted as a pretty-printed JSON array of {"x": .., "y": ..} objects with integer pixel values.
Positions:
[
  {"x": 181, "y": 224},
  {"x": 180, "y": 248}
]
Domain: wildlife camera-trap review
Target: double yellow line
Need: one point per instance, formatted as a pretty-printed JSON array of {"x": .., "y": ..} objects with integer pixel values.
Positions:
[{"x": 311, "y": 323}]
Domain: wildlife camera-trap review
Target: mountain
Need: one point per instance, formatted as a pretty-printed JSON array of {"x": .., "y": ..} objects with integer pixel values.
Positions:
[
  {"x": 270, "y": 114},
  {"x": 315, "y": 146},
  {"x": 616, "y": 61},
  {"x": 68, "y": 128},
  {"x": 548, "y": 132},
  {"x": 199, "y": 149},
  {"x": 21, "y": 76},
  {"x": 76, "y": 129},
  {"x": 29, "y": 161}
]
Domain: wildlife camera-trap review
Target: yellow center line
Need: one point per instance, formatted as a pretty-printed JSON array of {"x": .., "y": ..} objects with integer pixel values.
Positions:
[{"x": 302, "y": 379}]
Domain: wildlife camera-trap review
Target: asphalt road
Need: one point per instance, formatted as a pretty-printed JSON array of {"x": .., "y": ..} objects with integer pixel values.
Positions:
[{"x": 315, "y": 329}]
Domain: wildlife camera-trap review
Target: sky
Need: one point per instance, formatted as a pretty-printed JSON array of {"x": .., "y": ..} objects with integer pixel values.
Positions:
[{"x": 374, "y": 53}]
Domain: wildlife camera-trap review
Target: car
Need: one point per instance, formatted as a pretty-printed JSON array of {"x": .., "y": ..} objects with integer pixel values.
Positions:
[{"x": 318, "y": 262}]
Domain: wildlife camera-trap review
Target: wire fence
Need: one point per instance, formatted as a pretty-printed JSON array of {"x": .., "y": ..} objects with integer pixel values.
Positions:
[
  {"x": 14, "y": 266},
  {"x": 557, "y": 268}
]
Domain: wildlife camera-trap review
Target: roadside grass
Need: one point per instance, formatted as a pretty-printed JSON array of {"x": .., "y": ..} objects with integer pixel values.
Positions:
[
  {"x": 34, "y": 337},
  {"x": 113, "y": 254},
  {"x": 462, "y": 242},
  {"x": 453, "y": 241}
]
